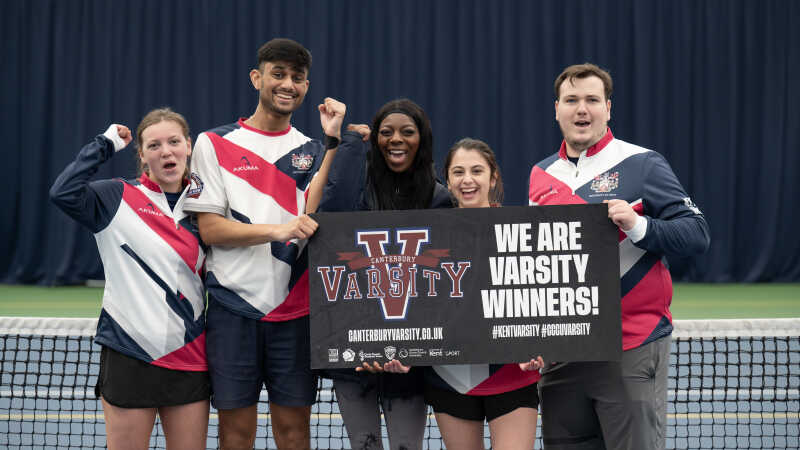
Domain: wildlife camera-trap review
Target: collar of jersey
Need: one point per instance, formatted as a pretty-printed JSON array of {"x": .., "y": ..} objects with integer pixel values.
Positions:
[
  {"x": 153, "y": 186},
  {"x": 265, "y": 133},
  {"x": 148, "y": 183},
  {"x": 591, "y": 151}
]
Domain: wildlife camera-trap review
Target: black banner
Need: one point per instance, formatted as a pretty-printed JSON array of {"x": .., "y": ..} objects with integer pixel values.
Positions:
[{"x": 455, "y": 286}]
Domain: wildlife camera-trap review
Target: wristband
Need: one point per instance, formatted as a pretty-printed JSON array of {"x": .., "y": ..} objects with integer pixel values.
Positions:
[
  {"x": 331, "y": 142},
  {"x": 112, "y": 135},
  {"x": 638, "y": 231}
]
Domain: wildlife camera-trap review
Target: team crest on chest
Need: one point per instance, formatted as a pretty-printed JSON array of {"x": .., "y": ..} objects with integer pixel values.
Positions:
[
  {"x": 302, "y": 161},
  {"x": 606, "y": 182}
]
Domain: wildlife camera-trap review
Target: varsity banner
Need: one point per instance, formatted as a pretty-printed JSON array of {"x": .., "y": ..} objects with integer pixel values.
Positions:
[{"x": 455, "y": 286}]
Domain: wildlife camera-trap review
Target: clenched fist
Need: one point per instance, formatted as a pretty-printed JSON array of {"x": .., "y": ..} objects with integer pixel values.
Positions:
[{"x": 331, "y": 115}]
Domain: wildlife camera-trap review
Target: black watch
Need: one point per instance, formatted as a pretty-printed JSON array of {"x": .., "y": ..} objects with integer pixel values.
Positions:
[{"x": 331, "y": 142}]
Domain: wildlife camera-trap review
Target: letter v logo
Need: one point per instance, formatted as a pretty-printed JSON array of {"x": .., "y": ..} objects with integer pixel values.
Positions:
[{"x": 394, "y": 280}]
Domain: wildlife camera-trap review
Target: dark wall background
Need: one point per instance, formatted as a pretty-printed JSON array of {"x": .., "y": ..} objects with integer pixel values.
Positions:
[{"x": 712, "y": 85}]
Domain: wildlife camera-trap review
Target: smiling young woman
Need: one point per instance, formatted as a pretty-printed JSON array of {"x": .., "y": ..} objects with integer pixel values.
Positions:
[
  {"x": 393, "y": 170},
  {"x": 472, "y": 174},
  {"x": 398, "y": 141},
  {"x": 464, "y": 395}
]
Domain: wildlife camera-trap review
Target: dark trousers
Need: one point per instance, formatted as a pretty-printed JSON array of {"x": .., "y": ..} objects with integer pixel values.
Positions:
[{"x": 585, "y": 406}]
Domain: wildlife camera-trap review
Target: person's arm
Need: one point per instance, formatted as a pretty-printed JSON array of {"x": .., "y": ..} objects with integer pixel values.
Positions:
[
  {"x": 217, "y": 230},
  {"x": 94, "y": 204},
  {"x": 347, "y": 175},
  {"x": 210, "y": 204},
  {"x": 331, "y": 115},
  {"x": 441, "y": 197},
  {"x": 672, "y": 224}
]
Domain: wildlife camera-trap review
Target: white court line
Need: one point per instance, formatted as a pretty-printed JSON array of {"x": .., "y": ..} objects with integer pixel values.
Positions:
[
  {"x": 98, "y": 417},
  {"x": 762, "y": 394},
  {"x": 56, "y": 393}
]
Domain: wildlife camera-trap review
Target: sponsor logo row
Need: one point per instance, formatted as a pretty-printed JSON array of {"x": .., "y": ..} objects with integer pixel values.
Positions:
[{"x": 389, "y": 352}]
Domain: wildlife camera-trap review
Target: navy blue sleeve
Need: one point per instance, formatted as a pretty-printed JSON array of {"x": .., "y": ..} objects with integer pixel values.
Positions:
[
  {"x": 319, "y": 154},
  {"x": 94, "y": 204},
  {"x": 441, "y": 197},
  {"x": 675, "y": 225},
  {"x": 347, "y": 176}
]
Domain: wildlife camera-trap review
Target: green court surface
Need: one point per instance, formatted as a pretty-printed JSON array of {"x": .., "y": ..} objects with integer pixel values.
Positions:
[
  {"x": 691, "y": 301},
  {"x": 39, "y": 301},
  {"x": 735, "y": 301}
]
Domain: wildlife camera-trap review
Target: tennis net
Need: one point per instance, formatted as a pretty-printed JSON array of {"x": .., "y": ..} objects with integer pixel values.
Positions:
[{"x": 732, "y": 384}]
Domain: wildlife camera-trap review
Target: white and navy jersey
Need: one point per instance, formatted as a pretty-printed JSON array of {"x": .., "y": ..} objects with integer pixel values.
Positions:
[
  {"x": 614, "y": 169},
  {"x": 252, "y": 176},
  {"x": 154, "y": 302},
  {"x": 480, "y": 379}
]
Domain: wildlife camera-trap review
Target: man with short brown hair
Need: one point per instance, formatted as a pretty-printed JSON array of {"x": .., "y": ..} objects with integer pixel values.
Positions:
[
  {"x": 620, "y": 405},
  {"x": 253, "y": 183}
]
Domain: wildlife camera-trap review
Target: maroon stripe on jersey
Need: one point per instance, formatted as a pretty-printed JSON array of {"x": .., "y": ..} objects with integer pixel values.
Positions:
[
  {"x": 153, "y": 186},
  {"x": 549, "y": 190},
  {"x": 242, "y": 123},
  {"x": 257, "y": 172},
  {"x": 148, "y": 183},
  {"x": 508, "y": 378},
  {"x": 641, "y": 311},
  {"x": 591, "y": 151},
  {"x": 191, "y": 356},
  {"x": 601, "y": 144},
  {"x": 180, "y": 239},
  {"x": 294, "y": 305}
]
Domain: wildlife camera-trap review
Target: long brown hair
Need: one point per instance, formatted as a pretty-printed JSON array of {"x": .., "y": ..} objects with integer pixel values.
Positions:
[
  {"x": 157, "y": 116},
  {"x": 495, "y": 193}
]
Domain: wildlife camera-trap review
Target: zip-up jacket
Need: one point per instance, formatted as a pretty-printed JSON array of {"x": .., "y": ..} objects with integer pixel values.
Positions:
[
  {"x": 154, "y": 301},
  {"x": 614, "y": 169}
]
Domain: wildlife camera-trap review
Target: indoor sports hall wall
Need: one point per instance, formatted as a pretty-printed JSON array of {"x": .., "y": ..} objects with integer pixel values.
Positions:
[{"x": 712, "y": 85}]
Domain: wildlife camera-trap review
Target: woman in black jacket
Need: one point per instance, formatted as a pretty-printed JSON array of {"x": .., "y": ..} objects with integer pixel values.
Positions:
[{"x": 393, "y": 170}]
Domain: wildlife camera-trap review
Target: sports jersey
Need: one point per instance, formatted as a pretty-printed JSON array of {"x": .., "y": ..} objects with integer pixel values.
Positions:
[
  {"x": 614, "y": 169},
  {"x": 153, "y": 302},
  {"x": 480, "y": 379},
  {"x": 252, "y": 176}
]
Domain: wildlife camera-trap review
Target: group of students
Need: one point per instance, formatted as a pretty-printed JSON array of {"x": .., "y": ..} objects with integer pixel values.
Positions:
[{"x": 232, "y": 224}]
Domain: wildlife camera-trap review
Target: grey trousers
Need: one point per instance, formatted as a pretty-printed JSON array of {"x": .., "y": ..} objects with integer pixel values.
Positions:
[
  {"x": 608, "y": 405},
  {"x": 405, "y": 418},
  {"x": 584, "y": 406},
  {"x": 644, "y": 370}
]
